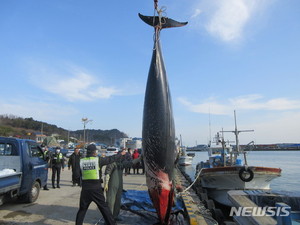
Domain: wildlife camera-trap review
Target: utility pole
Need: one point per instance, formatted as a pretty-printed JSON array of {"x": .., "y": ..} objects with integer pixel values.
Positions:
[
  {"x": 42, "y": 128},
  {"x": 85, "y": 121}
]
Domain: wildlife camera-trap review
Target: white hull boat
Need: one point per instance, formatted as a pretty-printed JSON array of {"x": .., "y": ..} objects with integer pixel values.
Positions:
[
  {"x": 223, "y": 171},
  {"x": 185, "y": 160},
  {"x": 219, "y": 180}
]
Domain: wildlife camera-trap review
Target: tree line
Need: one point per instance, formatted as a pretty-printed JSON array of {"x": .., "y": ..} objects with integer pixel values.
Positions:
[{"x": 11, "y": 125}]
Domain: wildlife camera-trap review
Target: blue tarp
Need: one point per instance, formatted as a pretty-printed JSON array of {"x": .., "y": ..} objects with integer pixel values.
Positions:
[{"x": 140, "y": 200}]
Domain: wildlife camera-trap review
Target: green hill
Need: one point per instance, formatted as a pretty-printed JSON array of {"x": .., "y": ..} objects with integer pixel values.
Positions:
[{"x": 11, "y": 125}]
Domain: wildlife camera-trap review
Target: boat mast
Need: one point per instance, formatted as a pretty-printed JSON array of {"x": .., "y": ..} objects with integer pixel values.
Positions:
[
  {"x": 236, "y": 133},
  {"x": 180, "y": 141},
  {"x": 209, "y": 126},
  {"x": 223, "y": 147}
]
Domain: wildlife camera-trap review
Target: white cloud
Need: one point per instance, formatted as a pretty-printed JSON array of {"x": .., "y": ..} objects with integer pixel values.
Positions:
[
  {"x": 70, "y": 83},
  {"x": 207, "y": 106},
  {"x": 103, "y": 92},
  {"x": 80, "y": 86},
  {"x": 227, "y": 19},
  {"x": 252, "y": 102},
  {"x": 273, "y": 120},
  {"x": 197, "y": 12}
]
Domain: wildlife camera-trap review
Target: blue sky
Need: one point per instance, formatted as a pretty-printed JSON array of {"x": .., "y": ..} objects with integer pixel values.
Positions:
[{"x": 63, "y": 60}]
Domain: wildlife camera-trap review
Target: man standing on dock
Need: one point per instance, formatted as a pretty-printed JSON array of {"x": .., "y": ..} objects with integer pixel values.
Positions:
[
  {"x": 57, "y": 163},
  {"x": 91, "y": 184},
  {"x": 74, "y": 163}
]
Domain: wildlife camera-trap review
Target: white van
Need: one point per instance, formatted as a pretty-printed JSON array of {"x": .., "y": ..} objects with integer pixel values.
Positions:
[{"x": 111, "y": 151}]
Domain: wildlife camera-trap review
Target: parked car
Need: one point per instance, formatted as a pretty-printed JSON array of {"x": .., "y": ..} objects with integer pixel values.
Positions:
[
  {"x": 64, "y": 151},
  {"x": 69, "y": 153},
  {"x": 111, "y": 151}
]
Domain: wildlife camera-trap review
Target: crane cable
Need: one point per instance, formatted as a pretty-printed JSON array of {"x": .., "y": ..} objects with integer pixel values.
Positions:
[
  {"x": 161, "y": 20},
  {"x": 155, "y": 4}
]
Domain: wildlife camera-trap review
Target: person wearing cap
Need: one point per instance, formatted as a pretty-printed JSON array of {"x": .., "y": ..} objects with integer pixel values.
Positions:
[
  {"x": 57, "y": 163},
  {"x": 91, "y": 184}
]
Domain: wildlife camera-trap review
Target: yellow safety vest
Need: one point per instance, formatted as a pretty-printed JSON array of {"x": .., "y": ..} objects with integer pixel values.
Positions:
[
  {"x": 58, "y": 157},
  {"x": 90, "y": 168}
]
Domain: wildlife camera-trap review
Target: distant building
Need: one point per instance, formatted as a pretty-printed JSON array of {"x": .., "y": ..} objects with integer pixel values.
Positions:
[
  {"x": 121, "y": 142},
  {"x": 134, "y": 143},
  {"x": 198, "y": 148},
  {"x": 39, "y": 137}
]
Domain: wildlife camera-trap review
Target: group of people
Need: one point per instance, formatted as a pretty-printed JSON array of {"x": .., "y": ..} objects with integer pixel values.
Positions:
[
  {"x": 87, "y": 173},
  {"x": 113, "y": 183},
  {"x": 134, "y": 155}
]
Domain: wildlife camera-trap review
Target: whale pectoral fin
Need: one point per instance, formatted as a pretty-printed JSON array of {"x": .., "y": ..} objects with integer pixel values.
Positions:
[{"x": 165, "y": 21}]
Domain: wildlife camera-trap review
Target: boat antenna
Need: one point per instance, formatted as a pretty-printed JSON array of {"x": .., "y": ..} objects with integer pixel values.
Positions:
[
  {"x": 236, "y": 133},
  {"x": 209, "y": 126},
  {"x": 180, "y": 141}
]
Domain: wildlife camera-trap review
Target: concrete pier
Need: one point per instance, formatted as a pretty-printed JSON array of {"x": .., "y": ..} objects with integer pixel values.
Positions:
[{"x": 59, "y": 206}]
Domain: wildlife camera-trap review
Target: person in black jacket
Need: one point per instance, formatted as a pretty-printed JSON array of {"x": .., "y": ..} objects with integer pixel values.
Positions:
[
  {"x": 91, "y": 184},
  {"x": 57, "y": 163},
  {"x": 74, "y": 161}
]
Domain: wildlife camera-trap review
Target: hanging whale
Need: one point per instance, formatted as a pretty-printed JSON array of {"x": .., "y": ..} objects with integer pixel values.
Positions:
[{"x": 159, "y": 150}]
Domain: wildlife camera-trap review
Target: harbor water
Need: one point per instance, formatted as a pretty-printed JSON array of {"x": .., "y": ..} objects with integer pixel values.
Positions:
[{"x": 288, "y": 161}]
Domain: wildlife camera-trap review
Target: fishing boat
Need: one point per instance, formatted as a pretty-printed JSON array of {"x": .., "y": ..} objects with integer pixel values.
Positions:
[
  {"x": 185, "y": 159},
  {"x": 225, "y": 171}
]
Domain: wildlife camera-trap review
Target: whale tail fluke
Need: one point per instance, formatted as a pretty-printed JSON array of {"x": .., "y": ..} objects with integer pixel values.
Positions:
[{"x": 162, "y": 22}]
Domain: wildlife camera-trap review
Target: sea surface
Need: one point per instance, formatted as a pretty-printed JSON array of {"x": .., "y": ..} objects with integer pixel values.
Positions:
[{"x": 288, "y": 161}]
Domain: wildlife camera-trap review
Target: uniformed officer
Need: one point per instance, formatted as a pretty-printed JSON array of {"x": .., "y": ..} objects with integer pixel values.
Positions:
[
  {"x": 57, "y": 163},
  {"x": 91, "y": 184}
]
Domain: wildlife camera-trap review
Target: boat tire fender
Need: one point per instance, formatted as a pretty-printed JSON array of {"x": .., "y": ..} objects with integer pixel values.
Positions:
[
  {"x": 247, "y": 171},
  {"x": 218, "y": 215}
]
